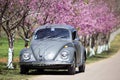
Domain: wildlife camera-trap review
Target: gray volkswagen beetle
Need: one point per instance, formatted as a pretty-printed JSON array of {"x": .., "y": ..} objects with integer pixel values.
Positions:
[{"x": 54, "y": 46}]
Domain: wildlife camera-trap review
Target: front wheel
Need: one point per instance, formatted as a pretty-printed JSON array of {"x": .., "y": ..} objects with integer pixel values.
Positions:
[
  {"x": 23, "y": 70},
  {"x": 82, "y": 68},
  {"x": 72, "y": 69}
]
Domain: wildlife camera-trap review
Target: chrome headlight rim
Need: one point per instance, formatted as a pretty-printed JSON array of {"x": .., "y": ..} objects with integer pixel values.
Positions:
[
  {"x": 64, "y": 55},
  {"x": 26, "y": 56}
]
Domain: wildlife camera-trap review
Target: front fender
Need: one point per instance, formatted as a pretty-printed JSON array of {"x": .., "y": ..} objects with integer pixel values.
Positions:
[
  {"x": 83, "y": 54},
  {"x": 70, "y": 50}
]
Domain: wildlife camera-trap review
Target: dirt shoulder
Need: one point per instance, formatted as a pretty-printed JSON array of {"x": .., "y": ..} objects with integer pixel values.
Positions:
[{"x": 4, "y": 60}]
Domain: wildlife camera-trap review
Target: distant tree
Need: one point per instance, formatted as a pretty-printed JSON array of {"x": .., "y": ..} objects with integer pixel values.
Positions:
[{"x": 25, "y": 28}]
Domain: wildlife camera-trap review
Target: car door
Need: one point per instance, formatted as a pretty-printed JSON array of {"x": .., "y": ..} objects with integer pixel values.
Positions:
[{"x": 76, "y": 42}]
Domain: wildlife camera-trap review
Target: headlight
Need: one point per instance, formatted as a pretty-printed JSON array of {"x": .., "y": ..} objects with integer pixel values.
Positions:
[
  {"x": 26, "y": 56},
  {"x": 64, "y": 55}
]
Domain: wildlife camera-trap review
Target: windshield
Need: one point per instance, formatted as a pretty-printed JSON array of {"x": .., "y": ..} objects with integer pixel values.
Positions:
[{"x": 53, "y": 33}]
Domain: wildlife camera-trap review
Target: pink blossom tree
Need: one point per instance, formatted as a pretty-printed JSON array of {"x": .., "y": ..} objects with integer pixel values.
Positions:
[{"x": 90, "y": 17}]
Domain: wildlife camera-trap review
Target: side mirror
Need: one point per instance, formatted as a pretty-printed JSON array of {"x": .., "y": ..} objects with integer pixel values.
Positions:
[{"x": 77, "y": 39}]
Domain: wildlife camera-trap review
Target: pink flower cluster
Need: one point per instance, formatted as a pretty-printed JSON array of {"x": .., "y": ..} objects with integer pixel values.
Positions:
[{"x": 89, "y": 17}]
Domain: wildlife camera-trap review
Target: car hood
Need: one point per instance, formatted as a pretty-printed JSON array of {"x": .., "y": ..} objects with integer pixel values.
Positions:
[{"x": 47, "y": 49}]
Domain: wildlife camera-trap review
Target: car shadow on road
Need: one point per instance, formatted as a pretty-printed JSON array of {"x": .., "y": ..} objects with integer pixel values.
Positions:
[{"x": 50, "y": 72}]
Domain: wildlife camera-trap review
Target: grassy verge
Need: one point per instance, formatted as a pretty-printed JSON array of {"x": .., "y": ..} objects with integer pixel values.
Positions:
[
  {"x": 6, "y": 74},
  {"x": 19, "y": 44},
  {"x": 115, "y": 46}
]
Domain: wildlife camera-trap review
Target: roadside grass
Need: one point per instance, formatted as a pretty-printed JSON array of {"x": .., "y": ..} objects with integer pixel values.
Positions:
[
  {"x": 6, "y": 74},
  {"x": 19, "y": 44},
  {"x": 115, "y": 46}
]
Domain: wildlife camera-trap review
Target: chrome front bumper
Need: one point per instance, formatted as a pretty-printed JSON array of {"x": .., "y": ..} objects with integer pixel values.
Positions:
[{"x": 45, "y": 64}]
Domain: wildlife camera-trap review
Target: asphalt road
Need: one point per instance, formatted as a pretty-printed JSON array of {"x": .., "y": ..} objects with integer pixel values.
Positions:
[{"x": 108, "y": 69}]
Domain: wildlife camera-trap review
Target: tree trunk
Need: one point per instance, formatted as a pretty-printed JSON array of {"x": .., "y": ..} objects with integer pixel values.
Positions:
[
  {"x": 0, "y": 32},
  {"x": 87, "y": 39},
  {"x": 107, "y": 42},
  {"x": 10, "y": 53},
  {"x": 100, "y": 42},
  {"x": 26, "y": 44},
  {"x": 0, "y": 26},
  {"x": 92, "y": 46},
  {"x": 10, "y": 59}
]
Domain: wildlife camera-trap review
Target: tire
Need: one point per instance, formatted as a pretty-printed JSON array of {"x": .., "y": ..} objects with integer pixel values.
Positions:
[
  {"x": 23, "y": 70},
  {"x": 82, "y": 68},
  {"x": 72, "y": 69}
]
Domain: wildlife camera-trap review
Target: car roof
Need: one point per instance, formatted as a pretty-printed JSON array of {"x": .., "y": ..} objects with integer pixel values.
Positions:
[{"x": 64, "y": 26}]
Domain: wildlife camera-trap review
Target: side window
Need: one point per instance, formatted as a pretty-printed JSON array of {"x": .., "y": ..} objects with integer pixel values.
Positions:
[{"x": 74, "y": 35}]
